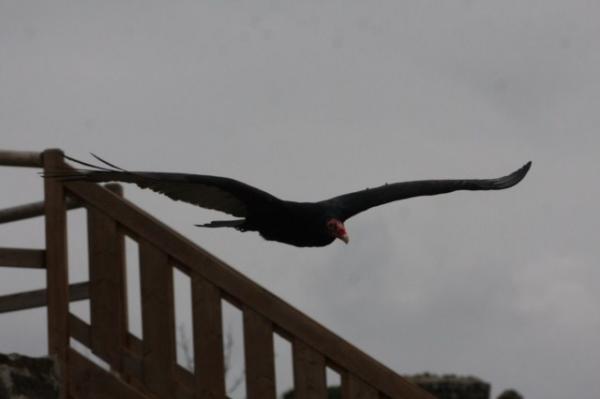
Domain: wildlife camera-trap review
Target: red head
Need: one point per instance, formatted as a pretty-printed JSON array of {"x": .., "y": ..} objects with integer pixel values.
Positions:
[{"x": 337, "y": 230}]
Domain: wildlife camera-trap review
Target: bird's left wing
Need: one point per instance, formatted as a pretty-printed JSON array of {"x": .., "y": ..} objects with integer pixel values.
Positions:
[
  {"x": 348, "y": 205},
  {"x": 211, "y": 192}
]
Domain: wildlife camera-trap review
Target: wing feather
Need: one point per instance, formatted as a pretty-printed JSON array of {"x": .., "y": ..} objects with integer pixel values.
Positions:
[
  {"x": 348, "y": 205},
  {"x": 211, "y": 192}
]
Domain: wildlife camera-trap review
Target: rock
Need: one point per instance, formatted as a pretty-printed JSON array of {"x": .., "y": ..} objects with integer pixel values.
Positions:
[
  {"x": 451, "y": 386},
  {"x": 23, "y": 377},
  {"x": 510, "y": 394}
]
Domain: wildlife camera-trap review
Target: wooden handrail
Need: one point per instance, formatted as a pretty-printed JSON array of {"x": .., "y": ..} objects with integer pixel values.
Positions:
[
  {"x": 194, "y": 260},
  {"x": 21, "y": 158}
]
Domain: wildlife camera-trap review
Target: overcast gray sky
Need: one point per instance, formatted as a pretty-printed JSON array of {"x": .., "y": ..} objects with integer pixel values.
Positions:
[{"x": 312, "y": 99}]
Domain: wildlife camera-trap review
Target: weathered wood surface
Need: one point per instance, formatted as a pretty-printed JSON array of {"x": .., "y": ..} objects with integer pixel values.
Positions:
[
  {"x": 309, "y": 372},
  {"x": 20, "y": 158},
  {"x": 286, "y": 318},
  {"x": 22, "y": 257},
  {"x": 130, "y": 359},
  {"x": 158, "y": 320},
  {"x": 80, "y": 330},
  {"x": 57, "y": 277},
  {"x": 39, "y": 298},
  {"x": 353, "y": 388},
  {"x": 35, "y": 209},
  {"x": 108, "y": 311},
  {"x": 31, "y": 210},
  {"x": 86, "y": 380},
  {"x": 209, "y": 362},
  {"x": 259, "y": 356}
]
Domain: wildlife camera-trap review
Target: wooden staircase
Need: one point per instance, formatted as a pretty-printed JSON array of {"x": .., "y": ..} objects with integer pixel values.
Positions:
[{"x": 147, "y": 368}]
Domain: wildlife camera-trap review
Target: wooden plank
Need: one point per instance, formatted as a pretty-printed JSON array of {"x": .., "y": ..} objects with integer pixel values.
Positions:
[
  {"x": 80, "y": 330},
  {"x": 209, "y": 362},
  {"x": 131, "y": 361},
  {"x": 27, "y": 211},
  {"x": 234, "y": 284},
  {"x": 39, "y": 298},
  {"x": 186, "y": 383},
  {"x": 259, "y": 356},
  {"x": 56, "y": 264},
  {"x": 309, "y": 372},
  {"x": 354, "y": 388},
  {"x": 134, "y": 344},
  {"x": 108, "y": 309},
  {"x": 133, "y": 366},
  {"x": 20, "y": 158},
  {"x": 88, "y": 381},
  {"x": 21, "y": 257},
  {"x": 158, "y": 320}
]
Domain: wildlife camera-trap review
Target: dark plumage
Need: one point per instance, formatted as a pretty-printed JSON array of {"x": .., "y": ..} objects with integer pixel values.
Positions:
[{"x": 304, "y": 224}]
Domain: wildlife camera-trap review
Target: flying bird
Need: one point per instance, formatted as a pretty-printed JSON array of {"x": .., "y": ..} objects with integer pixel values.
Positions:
[{"x": 303, "y": 224}]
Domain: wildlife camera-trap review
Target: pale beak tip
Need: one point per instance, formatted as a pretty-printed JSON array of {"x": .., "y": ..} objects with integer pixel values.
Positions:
[{"x": 346, "y": 239}]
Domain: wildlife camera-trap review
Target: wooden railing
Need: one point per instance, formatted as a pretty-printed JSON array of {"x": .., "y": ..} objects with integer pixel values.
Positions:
[{"x": 142, "y": 368}]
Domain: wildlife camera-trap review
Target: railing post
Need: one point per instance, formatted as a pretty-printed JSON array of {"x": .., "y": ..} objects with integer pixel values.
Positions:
[
  {"x": 158, "y": 320},
  {"x": 260, "y": 357},
  {"x": 108, "y": 308},
  {"x": 57, "y": 266},
  {"x": 309, "y": 372},
  {"x": 208, "y": 340}
]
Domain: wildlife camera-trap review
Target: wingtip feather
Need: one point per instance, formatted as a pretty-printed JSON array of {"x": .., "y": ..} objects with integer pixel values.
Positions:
[{"x": 514, "y": 178}]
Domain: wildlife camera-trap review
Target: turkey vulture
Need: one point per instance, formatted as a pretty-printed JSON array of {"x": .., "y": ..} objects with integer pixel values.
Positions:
[{"x": 303, "y": 224}]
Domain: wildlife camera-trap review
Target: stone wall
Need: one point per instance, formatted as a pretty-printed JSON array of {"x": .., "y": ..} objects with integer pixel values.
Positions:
[{"x": 23, "y": 377}]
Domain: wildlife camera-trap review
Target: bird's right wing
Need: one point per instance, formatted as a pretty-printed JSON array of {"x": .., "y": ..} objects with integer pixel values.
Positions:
[
  {"x": 211, "y": 192},
  {"x": 348, "y": 205}
]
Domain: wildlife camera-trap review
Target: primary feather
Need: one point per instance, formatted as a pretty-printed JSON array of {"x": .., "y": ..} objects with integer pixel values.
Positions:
[
  {"x": 211, "y": 192},
  {"x": 359, "y": 201}
]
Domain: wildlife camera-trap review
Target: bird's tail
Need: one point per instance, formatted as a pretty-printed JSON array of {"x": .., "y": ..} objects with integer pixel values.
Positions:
[{"x": 224, "y": 223}]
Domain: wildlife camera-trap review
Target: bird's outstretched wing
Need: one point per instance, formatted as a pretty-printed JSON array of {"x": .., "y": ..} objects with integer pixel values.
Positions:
[
  {"x": 348, "y": 205},
  {"x": 211, "y": 192}
]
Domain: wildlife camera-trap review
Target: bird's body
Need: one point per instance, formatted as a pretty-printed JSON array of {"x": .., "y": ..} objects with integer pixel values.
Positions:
[
  {"x": 303, "y": 224},
  {"x": 296, "y": 223}
]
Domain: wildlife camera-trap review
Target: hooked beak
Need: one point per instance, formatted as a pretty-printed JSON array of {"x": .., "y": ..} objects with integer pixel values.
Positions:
[{"x": 345, "y": 238}]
